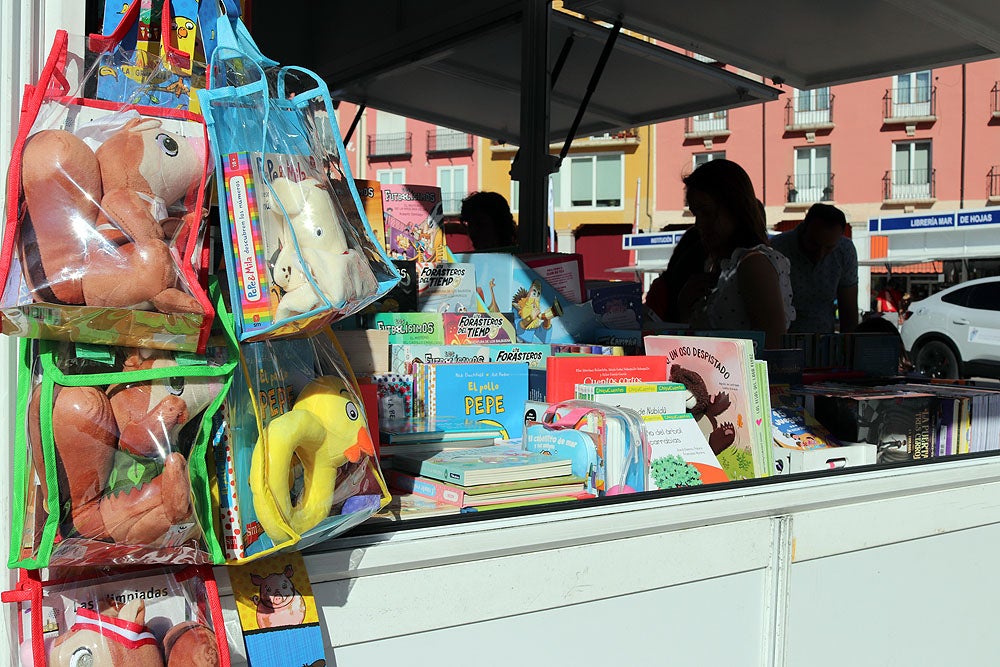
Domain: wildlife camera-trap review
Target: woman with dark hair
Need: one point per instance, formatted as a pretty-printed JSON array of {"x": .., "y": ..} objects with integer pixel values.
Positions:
[
  {"x": 752, "y": 288},
  {"x": 489, "y": 220}
]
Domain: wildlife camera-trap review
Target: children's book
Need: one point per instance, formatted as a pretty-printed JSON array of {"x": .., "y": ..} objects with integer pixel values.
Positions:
[
  {"x": 403, "y": 356},
  {"x": 492, "y": 394},
  {"x": 719, "y": 374},
  {"x": 483, "y": 465},
  {"x": 371, "y": 200},
  {"x": 420, "y": 328},
  {"x": 447, "y": 288},
  {"x": 478, "y": 328},
  {"x": 406, "y": 506},
  {"x": 413, "y": 216},
  {"x": 617, "y": 303},
  {"x": 678, "y": 454},
  {"x": 415, "y": 430},
  {"x": 484, "y": 494},
  {"x": 562, "y": 270},
  {"x": 646, "y": 398},
  {"x": 395, "y": 397},
  {"x": 563, "y": 374}
]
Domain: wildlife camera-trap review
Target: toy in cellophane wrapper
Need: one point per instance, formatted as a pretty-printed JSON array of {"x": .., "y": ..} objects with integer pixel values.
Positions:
[
  {"x": 296, "y": 461},
  {"x": 111, "y": 456},
  {"x": 296, "y": 260},
  {"x": 141, "y": 618},
  {"x": 104, "y": 229}
]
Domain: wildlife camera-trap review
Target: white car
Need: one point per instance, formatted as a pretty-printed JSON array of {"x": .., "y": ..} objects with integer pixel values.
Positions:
[{"x": 956, "y": 332}]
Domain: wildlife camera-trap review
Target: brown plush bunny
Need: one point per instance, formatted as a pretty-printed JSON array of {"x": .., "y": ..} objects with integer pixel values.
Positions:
[{"x": 96, "y": 227}]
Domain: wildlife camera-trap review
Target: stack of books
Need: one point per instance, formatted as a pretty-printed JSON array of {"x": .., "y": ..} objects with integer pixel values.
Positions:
[
  {"x": 418, "y": 436},
  {"x": 483, "y": 478}
]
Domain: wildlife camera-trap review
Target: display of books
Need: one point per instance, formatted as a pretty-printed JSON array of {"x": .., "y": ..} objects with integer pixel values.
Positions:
[
  {"x": 415, "y": 430},
  {"x": 485, "y": 494}
]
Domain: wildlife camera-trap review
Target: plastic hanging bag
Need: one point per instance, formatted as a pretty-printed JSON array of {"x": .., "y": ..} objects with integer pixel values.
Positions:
[
  {"x": 296, "y": 461},
  {"x": 295, "y": 261},
  {"x": 104, "y": 227},
  {"x": 112, "y": 453},
  {"x": 144, "y": 617},
  {"x": 607, "y": 444}
]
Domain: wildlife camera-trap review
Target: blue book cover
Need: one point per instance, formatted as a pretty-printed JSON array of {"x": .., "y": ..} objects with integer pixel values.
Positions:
[
  {"x": 489, "y": 393},
  {"x": 483, "y": 465}
]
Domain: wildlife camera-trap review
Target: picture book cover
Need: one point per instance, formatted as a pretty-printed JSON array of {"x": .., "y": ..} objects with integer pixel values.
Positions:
[
  {"x": 583, "y": 449},
  {"x": 277, "y": 611},
  {"x": 678, "y": 453},
  {"x": 562, "y": 270},
  {"x": 447, "y": 288},
  {"x": 646, "y": 398},
  {"x": 792, "y": 428},
  {"x": 478, "y": 328},
  {"x": 719, "y": 376},
  {"x": 483, "y": 494},
  {"x": 564, "y": 373},
  {"x": 493, "y": 394},
  {"x": 420, "y": 328},
  {"x": 402, "y": 356},
  {"x": 484, "y": 465},
  {"x": 413, "y": 215},
  {"x": 540, "y": 314},
  {"x": 534, "y": 354},
  {"x": 617, "y": 303},
  {"x": 371, "y": 200}
]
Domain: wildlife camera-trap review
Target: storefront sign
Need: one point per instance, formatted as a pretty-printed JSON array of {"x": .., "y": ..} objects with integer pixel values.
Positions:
[
  {"x": 632, "y": 241},
  {"x": 924, "y": 222}
]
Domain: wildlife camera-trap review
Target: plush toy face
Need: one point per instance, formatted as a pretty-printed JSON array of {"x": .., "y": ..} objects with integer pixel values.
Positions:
[
  {"x": 99, "y": 640},
  {"x": 311, "y": 215}
]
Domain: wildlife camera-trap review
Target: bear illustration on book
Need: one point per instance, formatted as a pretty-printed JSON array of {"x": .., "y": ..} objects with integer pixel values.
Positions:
[{"x": 701, "y": 405}]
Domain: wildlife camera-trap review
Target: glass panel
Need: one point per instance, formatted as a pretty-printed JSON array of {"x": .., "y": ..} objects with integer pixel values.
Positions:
[
  {"x": 921, "y": 162},
  {"x": 609, "y": 180},
  {"x": 985, "y": 296},
  {"x": 922, "y": 92},
  {"x": 822, "y": 165},
  {"x": 902, "y": 162},
  {"x": 803, "y": 100},
  {"x": 822, "y": 98},
  {"x": 581, "y": 181},
  {"x": 557, "y": 195}
]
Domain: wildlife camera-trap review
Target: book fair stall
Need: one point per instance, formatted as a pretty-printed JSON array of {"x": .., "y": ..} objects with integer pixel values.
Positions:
[{"x": 259, "y": 412}]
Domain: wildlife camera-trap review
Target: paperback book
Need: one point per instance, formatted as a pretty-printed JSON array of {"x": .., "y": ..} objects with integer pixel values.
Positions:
[
  {"x": 483, "y": 465},
  {"x": 646, "y": 398},
  {"x": 563, "y": 374},
  {"x": 413, "y": 216},
  {"x": 447, "y": 288}
]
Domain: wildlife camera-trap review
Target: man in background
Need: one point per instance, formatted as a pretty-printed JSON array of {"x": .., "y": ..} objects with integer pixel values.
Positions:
[{"x": 824, "y": 271}]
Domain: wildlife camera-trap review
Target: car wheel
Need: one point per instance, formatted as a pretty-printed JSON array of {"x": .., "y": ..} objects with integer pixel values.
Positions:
[{"x": 935, "y": 359}]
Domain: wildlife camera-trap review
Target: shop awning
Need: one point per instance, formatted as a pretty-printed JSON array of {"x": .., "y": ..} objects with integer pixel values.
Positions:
[
  {"x": 810, "y": 44},
  {"x": 473, "y": 84}
]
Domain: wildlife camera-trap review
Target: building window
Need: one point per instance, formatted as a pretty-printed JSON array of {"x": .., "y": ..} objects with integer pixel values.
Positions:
[
  {"x": 446, "y": 140},
  {"x": 912, "y": 174},
  {"x": 717, "y": 121},
  {"x": 391, "y": 137},
  {"x": 912, "y": 95},
  {"x": 702, "y": 158},
  {"x": 812, "y": 106},
  {"x": 589, "y": 181},
  {"x": 454, "y": 184},
  {"x": 812, "y": 181},
  {"x": 391, "y": 176}
]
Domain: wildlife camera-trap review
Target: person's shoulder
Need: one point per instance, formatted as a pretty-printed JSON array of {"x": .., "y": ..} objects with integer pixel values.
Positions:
[
  {"x": 846, "y": 247},
  {"x": 783, "y": 240}
]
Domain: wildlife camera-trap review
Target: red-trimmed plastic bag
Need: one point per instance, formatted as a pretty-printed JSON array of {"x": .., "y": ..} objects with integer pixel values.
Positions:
[
  {"x": 105, "y": 218},
  {"x": 146, "y": 617}
]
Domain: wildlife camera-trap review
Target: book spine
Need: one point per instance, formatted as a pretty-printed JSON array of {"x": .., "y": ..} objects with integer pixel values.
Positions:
[
  {"x": 756, "y": 416},
  {"x": 425, "y": 488},
  {"x": 764, "y": 434}
]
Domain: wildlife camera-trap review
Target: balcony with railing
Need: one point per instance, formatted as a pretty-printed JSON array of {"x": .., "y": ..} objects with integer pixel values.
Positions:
[
  {"x": 808, "y": 189},
  {"x": 993, "y": 184},
  {"x": 448, "y": 142},
  {"x": 451, "y": 203},
  {"x": 384, "y": 146},
  {"x": 707, "y": 126},
  {"x": 910, "y": 105},
  {"x": 808, "y": 120},
  {"x": 995, "y": 100},
  {"x": 908, "y": 185}
]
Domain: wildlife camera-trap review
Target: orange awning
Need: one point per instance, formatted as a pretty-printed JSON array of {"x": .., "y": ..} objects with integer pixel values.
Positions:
[{"x": 922, "y": 267}]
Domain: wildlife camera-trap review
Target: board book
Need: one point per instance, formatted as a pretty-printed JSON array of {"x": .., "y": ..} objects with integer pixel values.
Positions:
[
  {"x": 678, "y": 453},
  {"x": 492, "y": 394},
  {"x": 483, "y": 465}
]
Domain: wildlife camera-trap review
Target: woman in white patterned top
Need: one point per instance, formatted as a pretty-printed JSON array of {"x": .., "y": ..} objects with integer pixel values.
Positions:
[{"x": 746, "y": 284}]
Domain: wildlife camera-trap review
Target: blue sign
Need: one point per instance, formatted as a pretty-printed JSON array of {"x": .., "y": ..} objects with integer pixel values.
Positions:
[
  {"x": 989, "y": 217},
  {"x": 647, "y": 240},
  {"x": 917, "y": 222}
]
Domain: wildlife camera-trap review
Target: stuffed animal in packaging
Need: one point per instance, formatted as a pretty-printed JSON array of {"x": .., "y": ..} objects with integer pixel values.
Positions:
[
  {"x": 96, "y": 229},
  {"x": 120, "y": 638},
  {"x": 314, "y": 237},
  {"x": 115, "y": 465}
]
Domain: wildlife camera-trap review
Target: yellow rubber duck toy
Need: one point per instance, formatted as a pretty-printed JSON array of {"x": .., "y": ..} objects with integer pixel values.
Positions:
[{"x": 325, "y": 429}]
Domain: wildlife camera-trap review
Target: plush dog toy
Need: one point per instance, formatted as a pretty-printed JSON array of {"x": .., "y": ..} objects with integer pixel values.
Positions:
[
  {"x": 121, "y": 639},
  {"x": 342, "y": 273},
  {"x": 96, "y": 230},
  {"x": 113, "y": 448}
]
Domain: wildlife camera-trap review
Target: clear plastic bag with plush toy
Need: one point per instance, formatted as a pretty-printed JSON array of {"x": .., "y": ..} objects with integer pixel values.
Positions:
[
  {"x": 296, "y": 461},
  {"x": 104, "y": 236},
  {"x": 112, "y": 454},
  {"x": 139, "y": 617},
  {"x": 300, "y": 253}
]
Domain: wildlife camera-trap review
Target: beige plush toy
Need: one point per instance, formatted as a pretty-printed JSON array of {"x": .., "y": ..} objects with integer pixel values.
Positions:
[{"x": 342, "y": 273}]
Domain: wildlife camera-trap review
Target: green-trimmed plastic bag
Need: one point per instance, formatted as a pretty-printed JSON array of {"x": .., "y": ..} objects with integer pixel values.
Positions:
[{"x": 111, "y": 463}]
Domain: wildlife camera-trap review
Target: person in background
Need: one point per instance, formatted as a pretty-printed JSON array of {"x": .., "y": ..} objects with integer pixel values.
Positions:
[
  {"x": 488, "y": 218},
  {"x": 687, "y": 260},
  {"x": 824, "y": 270},
  {"x": 752, "y": 290}
]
